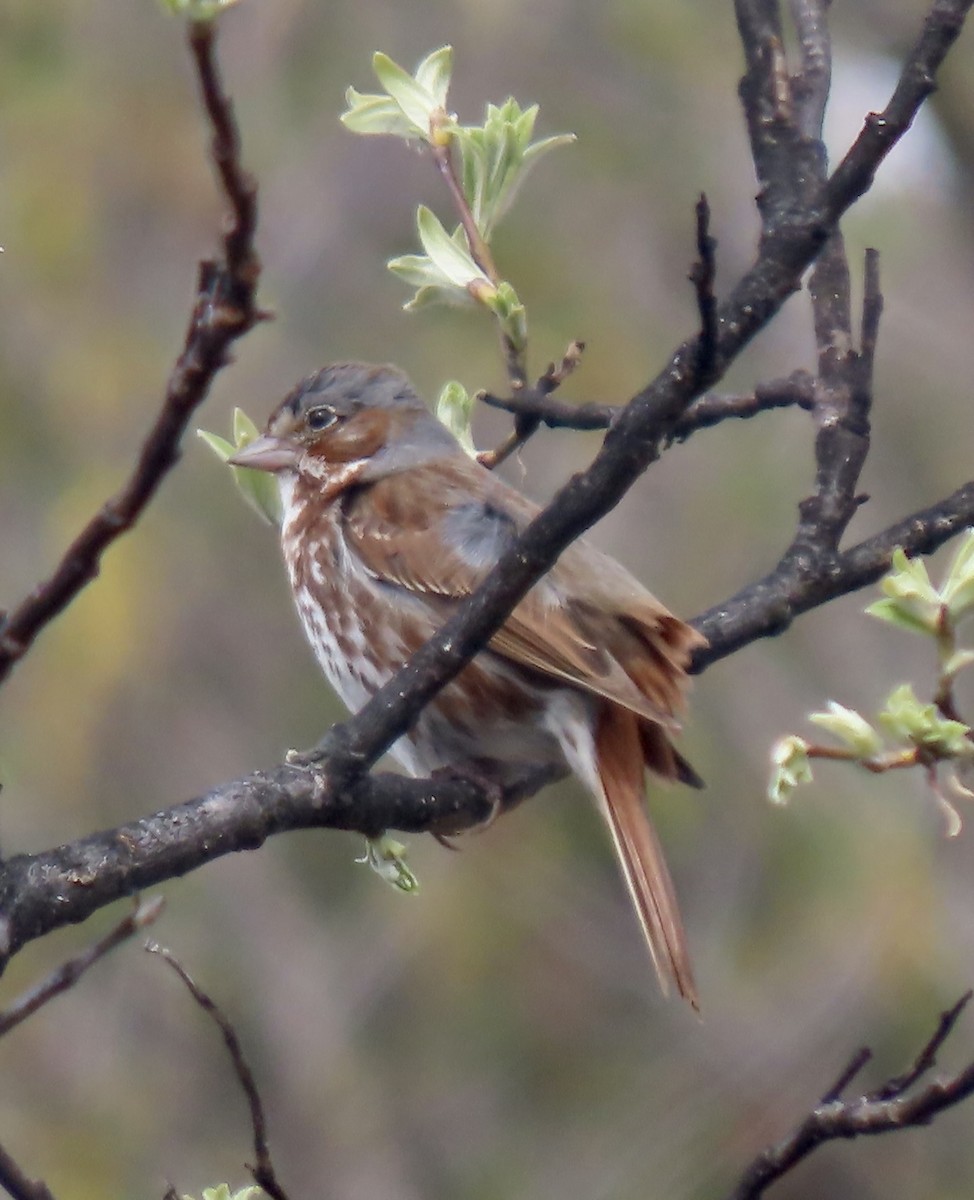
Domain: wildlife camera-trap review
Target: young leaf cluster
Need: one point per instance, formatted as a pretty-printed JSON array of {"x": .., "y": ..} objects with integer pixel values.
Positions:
[
  {"x": 258, "y": 488},
  {"x": 926, "y": 734},
  {"x": 494, "y": 158},
  {"x": 222, "y": 1192},
  {"x": 198, "y": 10}
]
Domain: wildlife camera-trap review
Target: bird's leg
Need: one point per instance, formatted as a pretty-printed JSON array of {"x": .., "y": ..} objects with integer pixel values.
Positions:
[{"x": 470, "y": 773}]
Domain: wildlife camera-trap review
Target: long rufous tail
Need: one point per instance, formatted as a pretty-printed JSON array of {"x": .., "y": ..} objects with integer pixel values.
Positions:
[{"x": 621, "y": 755}]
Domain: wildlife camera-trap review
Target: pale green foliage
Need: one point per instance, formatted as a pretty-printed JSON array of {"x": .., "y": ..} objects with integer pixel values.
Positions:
[
  {"x": 909, "y": 720},
  {"x": 497, "y": 156},
  {"x": 790, "y": 767},
  {"x": 222, "y": 1192},
  {"x": 258, "y": 488},
  {"x": 198, "y": 10},
  {"x": 853, "y": 730},
  {"x": 412, "y": 106},
  {"x": 920, "y": 734},
  {"x": 454, "y": 407},
  {"x": 913, "y": 603},
  {"x": 446, "y": 273},
  {"x": 495, "y": 159},
  {"x": 511, "y": 315},
  {"x": 387, "y": 857}
]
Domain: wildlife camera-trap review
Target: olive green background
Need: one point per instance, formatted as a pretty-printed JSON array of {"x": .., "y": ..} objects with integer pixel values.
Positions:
[{"x": 501, "y": 1034}]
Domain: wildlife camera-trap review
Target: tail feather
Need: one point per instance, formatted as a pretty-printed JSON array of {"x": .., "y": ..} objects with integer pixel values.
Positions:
[{"x": 620, "y": 762}]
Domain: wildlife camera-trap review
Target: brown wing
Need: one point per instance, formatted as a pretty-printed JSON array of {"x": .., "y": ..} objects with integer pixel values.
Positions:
[{"x": 437, "y": 532}]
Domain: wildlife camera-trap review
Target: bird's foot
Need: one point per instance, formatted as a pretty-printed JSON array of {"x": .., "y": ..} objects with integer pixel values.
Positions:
[{"x": 469, "y": 773}]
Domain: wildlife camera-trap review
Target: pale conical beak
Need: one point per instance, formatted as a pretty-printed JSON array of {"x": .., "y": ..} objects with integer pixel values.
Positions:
[{"x": 267, "y": 454}]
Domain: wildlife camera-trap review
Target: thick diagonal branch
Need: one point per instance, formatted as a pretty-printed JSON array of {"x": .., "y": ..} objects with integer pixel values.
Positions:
[{"x": 44, "y": 891}]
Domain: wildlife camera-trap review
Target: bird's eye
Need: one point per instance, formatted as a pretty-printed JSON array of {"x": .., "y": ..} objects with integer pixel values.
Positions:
[{"x": 321, "y": 417}]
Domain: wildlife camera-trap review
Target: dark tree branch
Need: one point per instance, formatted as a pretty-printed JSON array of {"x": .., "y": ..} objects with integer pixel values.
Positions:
[
  {"x": 44, "y": 891},
  {"x": 842, "y": 407},
  {"x": 262, "y": 1170},
  {"x": 797, "y": 390},
  {"x": 16, "y": 1184},
  {"x": 855, "y": 173},
  {"x": 862, "y": 1056},
  {"x": 643, "y": 427},
  {"x": 224, "y": 310},
  {"x": 68, "y": 973},
  {"x": 526, "y": 423},
  {"x": 63, "y": 886},
  {"x": 768, "y": 607},
  {"x": 789, "y": 164},
  {"x": 811, "y": 85},
  {"x": 703, "y": 275},
  {"x": 888, "y": 1109}
]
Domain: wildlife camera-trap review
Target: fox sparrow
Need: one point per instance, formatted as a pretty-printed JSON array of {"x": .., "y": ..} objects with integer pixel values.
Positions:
[{"x": 387, "y": 525}]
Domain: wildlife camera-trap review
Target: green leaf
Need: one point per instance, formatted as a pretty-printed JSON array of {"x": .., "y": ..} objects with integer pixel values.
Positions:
[
  {"x": 244, "y": 429},
  {"x": 433, "y": 74},
  {"x": 429, "y": 297},
  {"x": 198, "y": 10},
  {"x": 417, "y": 104},
  {"x": 914, "y": 603},
  {"x": 957, "y": 662},
  {"x": 957, "y": 592},
  {"x": 497, "y": 156},
  {"x": 433, "y": 287},
  {"x": 922, "y": 725},
  {"x": 386, "y": 857},
  {"x": 896, "y": 613},
  {"x": 373, "y": 115},
  {"x": 510, "y": 313},
  {"x": 418, "y": 270},
  {"x": 853, "y": 730},
  {"x": 454, "y": 408},
  {"x": 412, "y": 107},
  {"x": 449, "y": 254},
  {"x": 220, "y": 446},
  {"x": 258, "y": 488},
  {"x": 790, "y": 768},
  {"x": 222, "y": 1192}
]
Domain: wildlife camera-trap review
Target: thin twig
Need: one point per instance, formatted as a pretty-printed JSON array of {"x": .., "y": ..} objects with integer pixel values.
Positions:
[
  {"x": 224, "y": 310},
  {"x": 263, "y": 1168},
  {"x": 515, "y": 356},
  {"x": 479, "y": 250},
  {"x": 927, "y": 1058},
  {"x": 703, "y": 275},
  {"x": 239, "y": 186},
  {"x": 68, "y": 973},
  {"x": 526, "y": 423},
  {"x": 888, "y": 1109},
  {"x": 855, "y": 1064},
  {"x": 796, "y": 391},
  {"x": 16, "y": 1184}
]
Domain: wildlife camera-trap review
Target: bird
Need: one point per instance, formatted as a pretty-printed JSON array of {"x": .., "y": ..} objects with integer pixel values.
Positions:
[{"x": 387, "y": 525}]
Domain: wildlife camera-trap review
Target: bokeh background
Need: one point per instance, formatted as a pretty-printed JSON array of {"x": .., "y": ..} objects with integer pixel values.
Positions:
[{"x": 501, "y": 1034}]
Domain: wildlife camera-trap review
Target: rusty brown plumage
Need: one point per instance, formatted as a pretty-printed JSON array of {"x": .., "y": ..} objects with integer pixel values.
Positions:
[{"x": 388, "y": 524}]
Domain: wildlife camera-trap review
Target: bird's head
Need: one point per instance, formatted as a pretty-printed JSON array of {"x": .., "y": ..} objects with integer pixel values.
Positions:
[{"x": 353, "y": 420}]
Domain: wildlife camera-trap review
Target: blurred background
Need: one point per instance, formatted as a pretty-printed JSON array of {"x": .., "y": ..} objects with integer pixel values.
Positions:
[{"x": 501, "y": 1034}]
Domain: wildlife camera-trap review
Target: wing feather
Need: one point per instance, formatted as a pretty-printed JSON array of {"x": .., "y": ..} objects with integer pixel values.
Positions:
[{"x": 437, "y": 531}]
